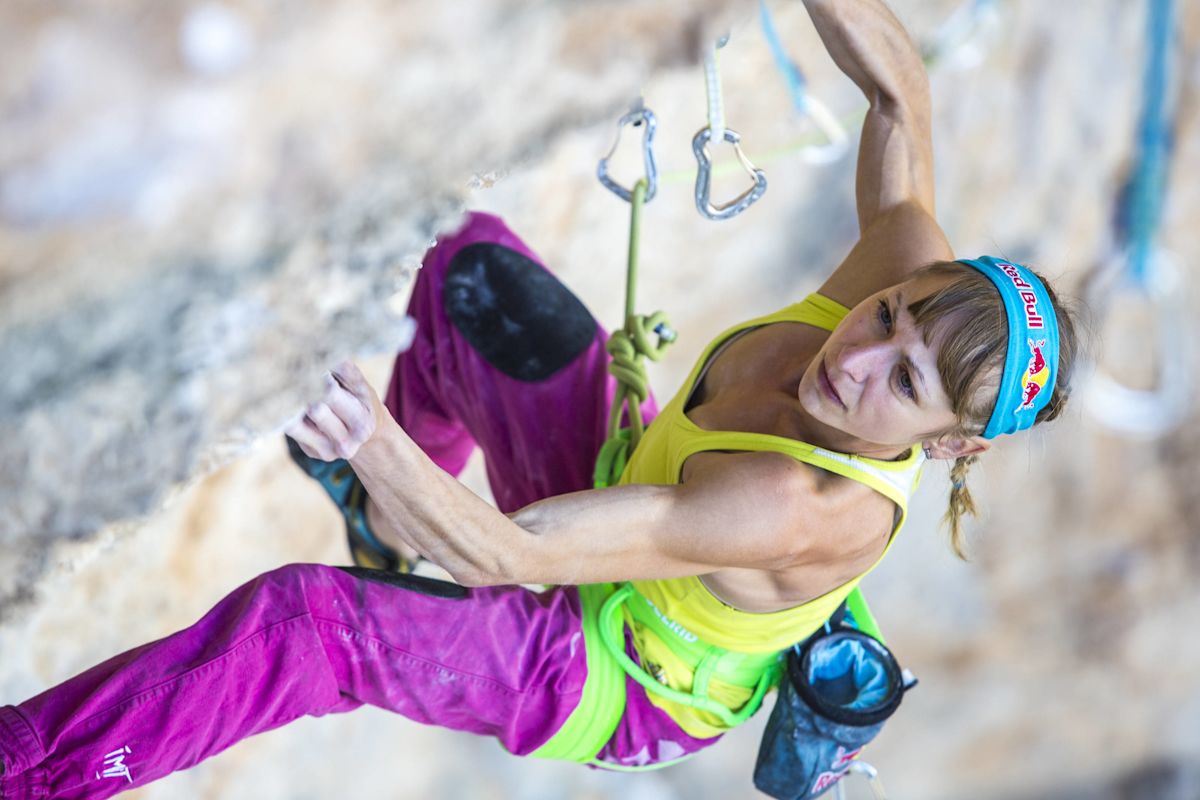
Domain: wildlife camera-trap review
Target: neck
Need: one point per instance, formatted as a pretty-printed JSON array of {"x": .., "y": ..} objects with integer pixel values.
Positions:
[
  {"x": 839, "y": 441},
  {"x": 818, "y": 433}
]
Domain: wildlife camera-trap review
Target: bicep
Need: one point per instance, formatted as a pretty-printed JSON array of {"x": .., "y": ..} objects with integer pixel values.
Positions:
[
  {"x": 895, "y": 158},
  {"x": 897, "y": 244},
  {"x": 741, "y": 513},
  {"x": 899, "y": 233}
]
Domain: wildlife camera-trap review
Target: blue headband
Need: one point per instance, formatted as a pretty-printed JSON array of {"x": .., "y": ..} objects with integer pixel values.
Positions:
[{"x": 1031, "y": 363}]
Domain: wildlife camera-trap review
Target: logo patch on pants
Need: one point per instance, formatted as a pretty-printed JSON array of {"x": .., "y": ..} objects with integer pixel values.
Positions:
[{"x": 114, "y": 765}]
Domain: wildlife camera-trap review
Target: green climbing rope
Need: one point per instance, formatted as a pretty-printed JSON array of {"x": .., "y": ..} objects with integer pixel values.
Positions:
[{"x": 628, "y": 348}]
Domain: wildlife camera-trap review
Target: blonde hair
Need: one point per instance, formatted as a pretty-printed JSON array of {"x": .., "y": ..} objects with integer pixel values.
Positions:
[{"x": 967, "y": 317}]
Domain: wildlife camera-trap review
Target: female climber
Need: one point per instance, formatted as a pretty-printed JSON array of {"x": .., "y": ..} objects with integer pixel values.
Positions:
[{"x": 758, "y": 498}]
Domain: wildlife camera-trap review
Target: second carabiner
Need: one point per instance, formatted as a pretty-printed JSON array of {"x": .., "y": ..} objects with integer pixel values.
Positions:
[{"x": 743, "y": 201}]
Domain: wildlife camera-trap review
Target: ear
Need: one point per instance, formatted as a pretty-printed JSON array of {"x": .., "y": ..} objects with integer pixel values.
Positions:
[{"x": 951, "y": 447}]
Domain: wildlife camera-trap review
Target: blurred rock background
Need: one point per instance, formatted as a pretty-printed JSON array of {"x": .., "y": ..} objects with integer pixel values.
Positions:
[{"x": 203, "y": 205}]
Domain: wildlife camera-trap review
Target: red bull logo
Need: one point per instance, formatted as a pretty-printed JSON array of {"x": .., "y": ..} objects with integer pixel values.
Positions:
[
  {"x": 1032, "y": 318},
  {"x": 837, "y": 770},
  {"x": 1036, "y": 375}
]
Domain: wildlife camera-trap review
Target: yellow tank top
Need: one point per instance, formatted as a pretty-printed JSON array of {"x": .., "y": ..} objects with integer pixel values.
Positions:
[{"x": 685, "y": 604}]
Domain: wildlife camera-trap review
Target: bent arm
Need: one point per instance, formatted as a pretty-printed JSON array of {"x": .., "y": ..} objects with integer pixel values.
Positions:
[
  {"x": 750, "y": 510},
  {"x": 741, "y": 515},
  {"x": 894, "y": 184}
]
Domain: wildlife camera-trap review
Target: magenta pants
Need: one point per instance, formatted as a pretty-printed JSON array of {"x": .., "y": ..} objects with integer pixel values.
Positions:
[{"x": 307, "y": 639}]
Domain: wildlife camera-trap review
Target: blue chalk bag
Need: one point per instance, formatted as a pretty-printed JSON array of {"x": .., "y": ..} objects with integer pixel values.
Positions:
[{"x": 838, "y": 689}]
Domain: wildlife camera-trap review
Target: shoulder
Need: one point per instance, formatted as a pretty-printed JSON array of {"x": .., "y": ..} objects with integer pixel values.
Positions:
[
  {"x": 898, "y": 242},
  {"x": 759, "y": 475},
  {"x": 791, "y": 512}
]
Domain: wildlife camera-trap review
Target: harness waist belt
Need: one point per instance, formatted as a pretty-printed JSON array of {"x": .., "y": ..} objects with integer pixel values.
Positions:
[
  {"x": 755, "y": 672},
  {"x": 603, "y": 702}
]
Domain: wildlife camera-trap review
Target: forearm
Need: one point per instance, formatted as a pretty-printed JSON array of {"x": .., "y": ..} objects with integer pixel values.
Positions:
[
  {"x": 422, "y": 506},
  {"x": 629, "y": 532},
  {"x": 623, "y": 533},
  {"x": 581, "y": 537},
  {"x": 895, "y": 153},
  {"x": 871, "y": 47}
]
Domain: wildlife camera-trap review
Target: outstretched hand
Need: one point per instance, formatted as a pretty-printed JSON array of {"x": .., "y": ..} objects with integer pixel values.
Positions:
[{"x": 343, "y": 420}]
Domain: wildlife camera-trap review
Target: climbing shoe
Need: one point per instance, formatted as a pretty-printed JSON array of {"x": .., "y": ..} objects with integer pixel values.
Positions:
[{"x": 346, "y": 490}]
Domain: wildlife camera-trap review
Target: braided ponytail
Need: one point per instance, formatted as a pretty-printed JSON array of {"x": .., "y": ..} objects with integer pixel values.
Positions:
[{"x": 961, "y": 503}]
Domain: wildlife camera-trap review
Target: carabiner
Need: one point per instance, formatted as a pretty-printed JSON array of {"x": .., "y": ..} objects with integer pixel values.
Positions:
[
  {"x": 868, "y": 772},
  {"x": 1155, "y": 411},
  {"x": 637, "y": 117},
  {"x": 704, "y": 177}
]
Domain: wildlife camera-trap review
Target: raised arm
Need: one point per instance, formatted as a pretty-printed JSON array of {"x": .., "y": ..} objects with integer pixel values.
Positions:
[
  {"x": 894, "y": 184},
  {"x": 895, "y": 158}
]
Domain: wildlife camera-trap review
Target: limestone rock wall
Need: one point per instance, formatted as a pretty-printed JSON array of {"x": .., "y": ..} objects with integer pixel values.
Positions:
[{"x": 203, "y": 206}]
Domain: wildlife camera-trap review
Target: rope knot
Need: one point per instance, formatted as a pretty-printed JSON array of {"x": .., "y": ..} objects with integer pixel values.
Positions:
[{"x": 630, "y": 346}]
